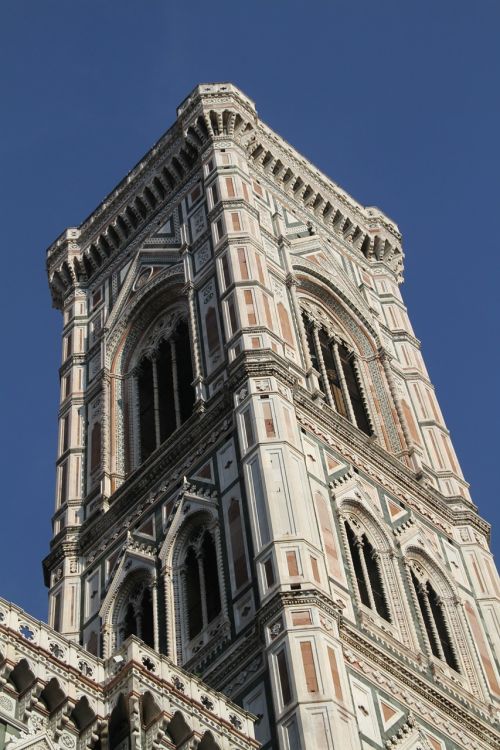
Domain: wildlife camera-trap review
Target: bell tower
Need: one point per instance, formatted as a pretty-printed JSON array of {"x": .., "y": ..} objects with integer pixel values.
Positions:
[{"x": 254, "y": 476}]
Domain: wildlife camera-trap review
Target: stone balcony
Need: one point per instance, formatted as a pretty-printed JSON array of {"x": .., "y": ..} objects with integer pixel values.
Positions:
[{"x": 54, "y": 693}]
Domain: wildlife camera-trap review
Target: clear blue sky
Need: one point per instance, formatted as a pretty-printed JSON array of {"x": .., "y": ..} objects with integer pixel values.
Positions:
[{"x": 398, "y": 102}]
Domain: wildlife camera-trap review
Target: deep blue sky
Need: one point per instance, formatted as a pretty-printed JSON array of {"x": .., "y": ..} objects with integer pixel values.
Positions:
[{"x": 398, "y": 102}]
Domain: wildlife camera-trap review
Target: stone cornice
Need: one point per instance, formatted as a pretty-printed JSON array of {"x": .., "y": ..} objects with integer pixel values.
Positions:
[{"x": 210, "y": 114}]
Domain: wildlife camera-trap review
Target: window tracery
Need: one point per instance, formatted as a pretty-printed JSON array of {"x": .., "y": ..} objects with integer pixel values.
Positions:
[{"x": 338, "y": 368}]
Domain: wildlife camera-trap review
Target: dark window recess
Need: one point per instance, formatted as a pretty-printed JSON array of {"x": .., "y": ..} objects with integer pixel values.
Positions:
[
  {"x": 146, "y": 409},
  {"x": 325, "y": 356},
  {"x": 130, "y": 622},
  {"x": 193, "y": 594},
  {"x": 439, "y": 619},
  {"x": 119, "y": 725},
  {"x": 201, "y": 584},
  {"x": 184, "y": 371},
  {"x": 139, "y": 618},
  {"x": 165, "y": 390},
  {"x": 375, "y": 579},
  {"x": 269, "y": 571},
  {"x": 65, "y": 433},
  {"x": 355, "y": 396},
  {"x": 434, "y": 621},
  {"x": 225, "y": 270},
  {"x": 286, "y": 691},
  {"x": 419, "y": 590},
  {"x": 56, "y": 622},
  {"x": 147, "y": 626},
  {"x": 173, "y": 365},
  {"x": 64, "y": 483},
  {"x": 212, "y": 592},
  {"x": 358, "y": 569}
]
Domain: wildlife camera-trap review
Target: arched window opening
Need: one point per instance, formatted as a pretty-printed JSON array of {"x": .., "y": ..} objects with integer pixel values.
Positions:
[
  {"x": 165, "y": 391},
  {"x": 434, "y": 620},
  {"x": 338, "y": 375},
  {"x": 137, "y": 616},
  {"x": 367, "y": 573},
  {"x": 201, "y": 590}
]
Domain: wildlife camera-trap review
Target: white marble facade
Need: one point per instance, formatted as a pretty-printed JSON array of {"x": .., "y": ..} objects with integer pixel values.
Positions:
[{"x": 254, "y": 475}]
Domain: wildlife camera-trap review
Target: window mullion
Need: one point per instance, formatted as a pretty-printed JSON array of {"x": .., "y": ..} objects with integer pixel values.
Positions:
[
  {"x": 175, "y": 383},
  {"x": 156, "y": 402},
  {"x": 343, "y": 382},
  {"x": 322, "y": 367}
]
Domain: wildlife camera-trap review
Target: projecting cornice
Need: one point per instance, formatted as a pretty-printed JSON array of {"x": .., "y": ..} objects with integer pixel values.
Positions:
[{"x": 212, "y": 112}]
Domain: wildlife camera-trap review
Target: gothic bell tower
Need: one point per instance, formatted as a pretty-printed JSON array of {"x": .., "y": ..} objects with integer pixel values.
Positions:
[{"x": 254, "y": 476}]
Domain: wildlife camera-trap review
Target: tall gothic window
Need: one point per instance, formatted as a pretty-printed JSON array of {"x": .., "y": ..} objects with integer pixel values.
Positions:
[
  {"x": 136, "y": 616},
  {"x": 201, "y": 583},
  {"x": 434, "y": 621},
  {"x": 367, "y": 572},
  {"x": 165, "y": 391},
  {"x": 338, "y": 376}
]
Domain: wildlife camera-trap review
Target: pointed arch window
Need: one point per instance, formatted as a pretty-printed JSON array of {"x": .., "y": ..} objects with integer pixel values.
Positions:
[
  {"x": 339, "y": 378},
  {"x": 434, "y": 621},
  {"x": 164, "y": 390},
  {"x": 201, "y": 590},
  {"x": 367, "y": 572},
  {"x": 137, "y": 615}
]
